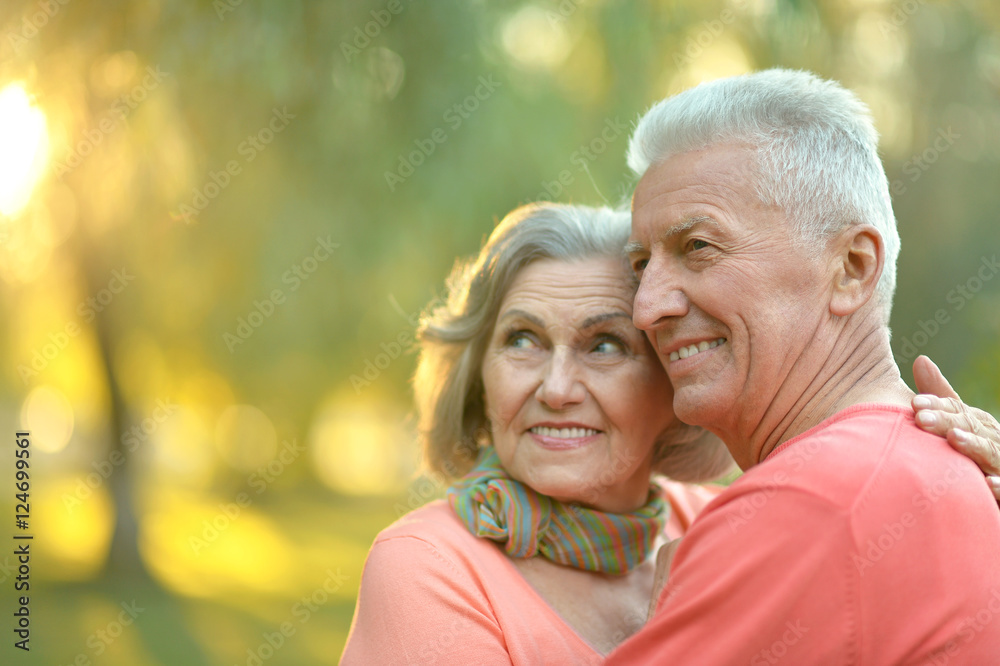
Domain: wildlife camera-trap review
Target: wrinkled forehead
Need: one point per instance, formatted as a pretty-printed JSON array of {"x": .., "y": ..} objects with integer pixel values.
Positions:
[
  {"x": 573, "y": 284},
  {"x": 718, "y": 185}
]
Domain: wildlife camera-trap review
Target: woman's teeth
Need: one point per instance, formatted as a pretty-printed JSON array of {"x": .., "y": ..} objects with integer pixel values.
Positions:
[
  {"x": 691, "y": 350},
  {"x": 564, "y": 433}
]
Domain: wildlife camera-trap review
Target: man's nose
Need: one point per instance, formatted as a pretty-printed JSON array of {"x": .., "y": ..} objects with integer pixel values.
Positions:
[{"x": 658, "y": 298}]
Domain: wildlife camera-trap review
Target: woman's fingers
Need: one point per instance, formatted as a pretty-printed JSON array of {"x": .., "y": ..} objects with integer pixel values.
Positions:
[
  {"x": 952, "y": 418},
  {"x": 929, "y": 379},
  {"x": 939, "y": 415},
  {"x": 972, "y": 432},
  {"x": 664, "y": 558},
  {"x": 982, "y": 451},
  {"x": 938, "y": 408}
]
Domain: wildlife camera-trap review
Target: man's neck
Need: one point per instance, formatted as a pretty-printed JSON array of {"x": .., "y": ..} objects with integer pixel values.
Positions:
[{"x": 858, "y": 369}]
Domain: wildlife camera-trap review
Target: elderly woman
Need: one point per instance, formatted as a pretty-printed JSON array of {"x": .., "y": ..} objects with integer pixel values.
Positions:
[{"x": 552, "y": 414}]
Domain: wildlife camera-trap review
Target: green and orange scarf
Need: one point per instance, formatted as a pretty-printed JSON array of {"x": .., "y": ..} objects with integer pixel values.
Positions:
[{"x": 494, "y": 506}]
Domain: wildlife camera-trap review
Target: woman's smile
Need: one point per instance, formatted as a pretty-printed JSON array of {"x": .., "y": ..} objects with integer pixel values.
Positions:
[{"x": 563, "y": 436}]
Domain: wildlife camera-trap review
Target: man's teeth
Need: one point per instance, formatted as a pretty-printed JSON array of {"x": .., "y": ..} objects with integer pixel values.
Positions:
[
  {"x": 691, "y": 350},
  {"x": 564, "y": 433}
]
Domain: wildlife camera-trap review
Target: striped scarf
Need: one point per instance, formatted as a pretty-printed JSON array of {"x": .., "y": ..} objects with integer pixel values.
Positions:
[{"x": 494, "y": 506}]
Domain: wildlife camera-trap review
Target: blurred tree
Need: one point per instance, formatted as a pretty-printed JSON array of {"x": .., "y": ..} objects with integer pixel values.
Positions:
[{"x": 209, "y": 148}]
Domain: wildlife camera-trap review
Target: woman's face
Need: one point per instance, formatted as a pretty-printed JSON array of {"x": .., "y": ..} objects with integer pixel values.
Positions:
[{"x": 575, "y": 394}]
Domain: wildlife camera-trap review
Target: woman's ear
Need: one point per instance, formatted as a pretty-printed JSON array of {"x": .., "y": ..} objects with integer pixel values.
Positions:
[{"x": 858, "y": 258}]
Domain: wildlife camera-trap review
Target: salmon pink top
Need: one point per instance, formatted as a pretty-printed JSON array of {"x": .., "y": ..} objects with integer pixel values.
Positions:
[
  {"x": 432, "y": 593},
  {"x": 862, "y": 541}
]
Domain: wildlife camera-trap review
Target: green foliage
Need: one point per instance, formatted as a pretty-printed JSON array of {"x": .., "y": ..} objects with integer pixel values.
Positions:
[{"x": 401, "y": 147}]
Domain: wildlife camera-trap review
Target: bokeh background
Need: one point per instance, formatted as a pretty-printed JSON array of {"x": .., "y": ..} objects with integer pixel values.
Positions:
[{"x": 220, "y": 220}]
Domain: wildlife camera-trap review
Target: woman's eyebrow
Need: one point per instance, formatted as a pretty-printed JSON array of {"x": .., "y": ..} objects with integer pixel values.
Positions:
[
  {"x": 523, "y": 315},
  {"x": 597, "y": 319}
]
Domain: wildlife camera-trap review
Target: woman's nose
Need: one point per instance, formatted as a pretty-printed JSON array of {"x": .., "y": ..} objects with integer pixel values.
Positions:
[{"x": 561, "y": 384}]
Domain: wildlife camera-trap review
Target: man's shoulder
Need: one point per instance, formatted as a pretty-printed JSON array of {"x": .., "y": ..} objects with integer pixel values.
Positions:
[
  {"x": 861, "y": 448},
  {"x": 842, "y": 483},
  {"x": 854, "y": 443}
]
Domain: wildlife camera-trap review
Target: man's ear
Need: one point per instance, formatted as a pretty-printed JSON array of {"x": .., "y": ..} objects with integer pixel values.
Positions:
[{"x": 858, "y": 258}]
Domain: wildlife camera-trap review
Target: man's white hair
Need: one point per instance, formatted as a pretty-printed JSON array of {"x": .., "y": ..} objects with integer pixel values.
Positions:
[{"x": 815, "y": 144}]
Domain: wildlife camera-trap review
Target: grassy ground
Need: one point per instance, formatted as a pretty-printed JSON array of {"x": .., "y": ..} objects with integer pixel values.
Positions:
[
  {"x": 115, "y": 620},
  {"x": 79, "y": 624}
]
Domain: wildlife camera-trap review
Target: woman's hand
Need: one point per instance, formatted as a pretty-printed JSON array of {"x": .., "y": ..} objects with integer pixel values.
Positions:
[
  {"x": 664, "y": 558},
  {"x": 970, "y": 431}
]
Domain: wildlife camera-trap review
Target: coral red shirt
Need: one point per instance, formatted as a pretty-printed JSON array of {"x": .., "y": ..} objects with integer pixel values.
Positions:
[
  {"x": 862, "y": 541},
  {"x": 432, "y": 593}
]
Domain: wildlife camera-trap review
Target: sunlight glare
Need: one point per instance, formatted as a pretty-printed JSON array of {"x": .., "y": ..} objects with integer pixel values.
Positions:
[
  {"x": 23, "y": 148},
  {"x": 47, "y": 413},
  {"x": 361, "y": 449},
  {"x": 75, "y": 518},
  {"x": 535, "y": 39}
]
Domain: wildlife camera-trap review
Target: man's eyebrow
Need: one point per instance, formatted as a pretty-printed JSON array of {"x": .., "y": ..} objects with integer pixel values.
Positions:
[
  {"x": 680, "y": 227},
  {"x": 688, "y": 223},
  {"x": 632, "y": 247}
]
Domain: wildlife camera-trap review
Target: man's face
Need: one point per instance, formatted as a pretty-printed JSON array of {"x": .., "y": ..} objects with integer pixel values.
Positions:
[{"x": 725, "y": 296}]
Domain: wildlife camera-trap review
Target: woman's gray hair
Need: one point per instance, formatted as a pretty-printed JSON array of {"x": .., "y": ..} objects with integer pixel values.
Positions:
[
  {"x": 452, "y": 338},
  {"x": 816, "y": 150}
]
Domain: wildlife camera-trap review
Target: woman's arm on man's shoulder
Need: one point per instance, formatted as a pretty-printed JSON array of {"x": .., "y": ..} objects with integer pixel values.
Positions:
[{"x": 970, "y": 431}]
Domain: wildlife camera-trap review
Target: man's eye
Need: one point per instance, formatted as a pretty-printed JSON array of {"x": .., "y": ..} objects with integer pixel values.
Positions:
[
  {"x": 639, "y": 265},
  {"x": 698, "y": 244}
]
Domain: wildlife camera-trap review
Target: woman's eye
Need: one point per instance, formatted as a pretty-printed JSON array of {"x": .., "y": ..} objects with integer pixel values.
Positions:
[
  {"x": 520, "y": 340},
  {"x": 609, "y": 346}
]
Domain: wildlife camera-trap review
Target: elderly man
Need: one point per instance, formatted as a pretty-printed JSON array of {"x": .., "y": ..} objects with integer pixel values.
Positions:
[{"x": 765, "y": 246}]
